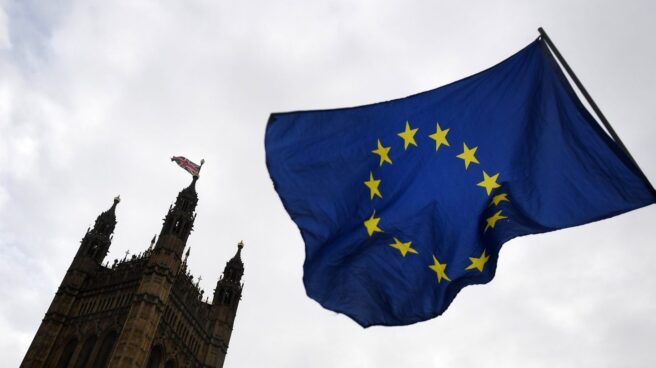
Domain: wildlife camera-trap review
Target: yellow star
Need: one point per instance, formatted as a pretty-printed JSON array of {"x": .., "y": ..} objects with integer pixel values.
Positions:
[
  {"x": 404, "y": 248},
  {"x": 489, "y": 182},
  {"x": 499, "y": 198},
  {"x": 383, "y": 152},
  {"x": 478, "y": 263},
  {"x": 439, "y": 136},
  {"x": 468, "y": 155},
  {"x": 408, "y": 136},
  {"x": 439, "y": 269},
  {"x": 372, "y": 224},
  {"x": 373, "y": 184},
  {"x": 492, "y": 220}
]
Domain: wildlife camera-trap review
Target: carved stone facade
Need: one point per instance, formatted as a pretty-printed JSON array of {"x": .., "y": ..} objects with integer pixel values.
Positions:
[{"x": 143, "y": 311}]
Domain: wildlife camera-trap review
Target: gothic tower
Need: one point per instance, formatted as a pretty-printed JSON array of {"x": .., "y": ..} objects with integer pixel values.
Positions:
[
  {"x": 91, "y": 252},
  {"x": 224, "y": 308},
  {"x": 143, "y": 311}
]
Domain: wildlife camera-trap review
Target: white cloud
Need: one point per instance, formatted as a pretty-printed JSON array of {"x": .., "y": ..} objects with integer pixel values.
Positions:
[{"x": 5, "y": 40}]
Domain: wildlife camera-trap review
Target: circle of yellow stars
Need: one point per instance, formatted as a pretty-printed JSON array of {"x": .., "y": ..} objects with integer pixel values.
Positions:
[{"x": 468, "y": 156}]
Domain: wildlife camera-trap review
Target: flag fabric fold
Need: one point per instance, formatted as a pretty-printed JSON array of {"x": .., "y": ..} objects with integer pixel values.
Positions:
[
  {"x": 403, "y": 203},
  {"x": 187, "y": 164}
]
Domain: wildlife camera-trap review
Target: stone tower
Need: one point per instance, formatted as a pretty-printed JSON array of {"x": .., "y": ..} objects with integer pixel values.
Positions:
[{"x": 143, "y": 311}]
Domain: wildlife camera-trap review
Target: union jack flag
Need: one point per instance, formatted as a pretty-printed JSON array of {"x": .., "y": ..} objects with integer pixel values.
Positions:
[{"x": 186, "y": 164}]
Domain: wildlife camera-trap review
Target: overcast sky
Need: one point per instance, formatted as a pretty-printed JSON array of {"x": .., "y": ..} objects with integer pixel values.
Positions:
[{"x": 96, "y": 96}]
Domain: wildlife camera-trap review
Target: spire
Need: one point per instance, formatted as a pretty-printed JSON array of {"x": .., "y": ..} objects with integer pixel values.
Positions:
[
  {"x": 234, "y": 268},
  {"x": 106, "y": 221},
  {"x": 189, "y": 193},
  {"x": 236, "y": 261},
  {"x": 96, "y": 241},
  {"x": 229, "y": 285},
  {"x": 179, "y": 221}
]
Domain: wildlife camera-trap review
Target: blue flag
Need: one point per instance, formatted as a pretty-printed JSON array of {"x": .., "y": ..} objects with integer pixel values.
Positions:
[{"x": 403, "y": 203}]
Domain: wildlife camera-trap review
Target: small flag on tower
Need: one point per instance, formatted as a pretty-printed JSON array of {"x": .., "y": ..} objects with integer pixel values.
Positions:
[{"x": 188, "y": 165}]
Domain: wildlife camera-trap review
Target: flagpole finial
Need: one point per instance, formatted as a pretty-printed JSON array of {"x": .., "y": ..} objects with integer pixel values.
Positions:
[{"x": 202, "y": 161}]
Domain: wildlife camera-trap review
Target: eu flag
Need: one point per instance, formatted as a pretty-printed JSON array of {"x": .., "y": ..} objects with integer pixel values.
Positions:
[{"x": 403, "y": 203}]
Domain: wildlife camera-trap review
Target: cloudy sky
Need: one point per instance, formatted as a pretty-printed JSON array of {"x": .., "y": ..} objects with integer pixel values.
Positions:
[{"x": 95, "y": 96}]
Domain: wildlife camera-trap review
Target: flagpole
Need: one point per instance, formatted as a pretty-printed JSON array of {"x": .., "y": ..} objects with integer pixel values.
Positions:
[
  {"x": 202, "y": 162},
  {"x": 588, "y": 98}
]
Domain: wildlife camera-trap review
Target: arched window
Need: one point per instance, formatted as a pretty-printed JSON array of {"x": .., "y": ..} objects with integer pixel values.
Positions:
[
  {"x": 85, "y": 353},
  {"x": 105, "y": 351},
  {"x": 67, "y": 354},
  {"x": 155, "y": 357}
]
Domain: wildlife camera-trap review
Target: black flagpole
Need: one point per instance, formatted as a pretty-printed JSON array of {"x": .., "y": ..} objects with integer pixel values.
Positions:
[{"x": 588, "y": 98}]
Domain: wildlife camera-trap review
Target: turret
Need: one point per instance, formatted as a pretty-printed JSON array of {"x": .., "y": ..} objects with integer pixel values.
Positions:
[
  {"x": 90, "y": 254},
  {"x": 179, "y": 220},
  {"x": 228, "y": 288},
  {"x": 224, "y": 309},
  {"x": 96, "y": 241}
]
